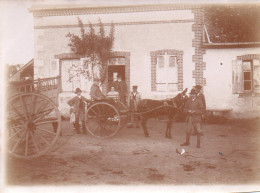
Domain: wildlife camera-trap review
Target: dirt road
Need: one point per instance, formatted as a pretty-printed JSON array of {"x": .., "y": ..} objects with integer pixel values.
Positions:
[{"x": 229, "y": 154}]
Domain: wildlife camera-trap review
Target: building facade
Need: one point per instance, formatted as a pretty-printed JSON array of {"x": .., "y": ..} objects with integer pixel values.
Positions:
[{"x": 157, "y": 47}]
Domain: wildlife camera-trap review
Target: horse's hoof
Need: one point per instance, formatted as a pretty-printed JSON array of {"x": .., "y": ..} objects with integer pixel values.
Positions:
[{"x": 147, "y": 136}]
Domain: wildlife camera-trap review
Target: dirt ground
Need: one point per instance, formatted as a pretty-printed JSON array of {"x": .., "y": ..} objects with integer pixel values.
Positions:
[{"x": 229, "y": 154}]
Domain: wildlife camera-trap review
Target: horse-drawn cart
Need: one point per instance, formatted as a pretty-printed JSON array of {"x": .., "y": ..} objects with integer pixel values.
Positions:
[{"x": 33, "y": 119}]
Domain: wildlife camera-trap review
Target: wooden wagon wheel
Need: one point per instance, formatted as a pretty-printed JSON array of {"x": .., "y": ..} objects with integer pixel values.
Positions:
[
  {"x": 102, "y": 120},
  {"x": 33, "y": 125}
]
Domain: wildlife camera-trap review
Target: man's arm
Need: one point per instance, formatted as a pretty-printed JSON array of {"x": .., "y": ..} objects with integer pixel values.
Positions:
[
  {"x": 203, "y": 101},
  {"x": 71, "y": 101}
]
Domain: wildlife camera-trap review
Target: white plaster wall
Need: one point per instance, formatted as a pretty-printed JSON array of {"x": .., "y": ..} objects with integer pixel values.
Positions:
[
  {"x": 218, "y": 91},
  {"x": 140, "y": 40}
]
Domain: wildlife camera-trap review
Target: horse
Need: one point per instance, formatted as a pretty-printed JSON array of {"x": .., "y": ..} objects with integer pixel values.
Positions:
[{"x": 149, "y": 108}]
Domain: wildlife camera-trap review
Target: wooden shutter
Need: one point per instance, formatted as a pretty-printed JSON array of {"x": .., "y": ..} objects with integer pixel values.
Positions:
[
  {"x": 237, "y": 77},
  {"x": 54, "y": 68},
  {"x": 256, "y": 76}
]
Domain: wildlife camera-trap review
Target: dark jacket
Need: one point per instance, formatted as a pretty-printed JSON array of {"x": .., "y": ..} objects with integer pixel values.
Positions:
[
  {"x": 120, "y": 87},
  {"x": 75, "y": 102},
  {"x": 196, "y": 106},
  {"x": 201, "y": 97},
  {"x": 96, "y": 93}
]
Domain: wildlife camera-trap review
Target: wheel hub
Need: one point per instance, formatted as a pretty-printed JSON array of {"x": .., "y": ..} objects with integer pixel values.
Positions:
[{"x": 30, "y": 125}]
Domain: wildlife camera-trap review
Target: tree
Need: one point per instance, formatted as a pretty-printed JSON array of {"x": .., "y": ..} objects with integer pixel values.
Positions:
[{"x": 96, "y": 47}]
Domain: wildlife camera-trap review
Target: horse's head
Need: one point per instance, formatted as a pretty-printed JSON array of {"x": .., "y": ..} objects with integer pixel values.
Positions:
[{"x": 180, "y": 100}]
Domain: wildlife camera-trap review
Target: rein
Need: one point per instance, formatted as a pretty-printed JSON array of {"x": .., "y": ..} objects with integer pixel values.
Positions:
[{"x": 165, "y": 105}]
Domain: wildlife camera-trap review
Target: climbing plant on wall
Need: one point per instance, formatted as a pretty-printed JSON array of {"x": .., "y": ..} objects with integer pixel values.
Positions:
[{"x": 95, "y": 46}]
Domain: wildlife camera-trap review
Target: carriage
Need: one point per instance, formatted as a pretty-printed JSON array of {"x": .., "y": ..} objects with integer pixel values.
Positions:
[{"x": 33, "y": 119}]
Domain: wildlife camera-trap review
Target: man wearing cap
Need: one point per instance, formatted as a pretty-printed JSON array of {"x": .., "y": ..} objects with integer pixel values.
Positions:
[
  {"x": 78, "y": 104},
  {"x": 95, "y": 91},
  {"x": 194, "y": 108},
  {"x": 134, "y": 99}
]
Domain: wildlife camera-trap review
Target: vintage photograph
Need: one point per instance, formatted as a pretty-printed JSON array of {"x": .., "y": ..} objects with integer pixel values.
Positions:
[{"x": 130, "y": 94}]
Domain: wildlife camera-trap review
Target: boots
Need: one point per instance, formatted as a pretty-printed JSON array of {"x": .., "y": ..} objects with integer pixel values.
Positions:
[
  {"x": 187, "y": 140},
  {"x": 198, "y": 140}
]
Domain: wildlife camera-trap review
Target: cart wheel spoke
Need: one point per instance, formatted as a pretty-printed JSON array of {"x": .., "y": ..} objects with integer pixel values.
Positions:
[
  {"x": 19, "y": 140},
  {"x": 43, "y": 138},
  {"x": 26, "y": 144},
  {"x": 15, "y": 134},
  {"x": 16, "y": 111},
  {"x": 46, "y": 131},
  {"x": 34, "y": 142},
  {"x": 25, "y": 106}
]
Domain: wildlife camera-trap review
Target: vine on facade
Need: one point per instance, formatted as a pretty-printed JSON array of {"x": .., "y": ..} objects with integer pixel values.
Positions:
[{"x": 95, "y": 47}]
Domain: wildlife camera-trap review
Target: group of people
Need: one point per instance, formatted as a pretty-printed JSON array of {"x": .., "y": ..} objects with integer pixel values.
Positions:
[
  {"x": 118, "y": 92},
  {"x": 194, "y": 107}
]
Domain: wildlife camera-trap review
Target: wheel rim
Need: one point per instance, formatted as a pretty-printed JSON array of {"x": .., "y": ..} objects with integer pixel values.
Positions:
[
  {"x": 31, "y": 119},
  {"x": 102, "y": 120}
]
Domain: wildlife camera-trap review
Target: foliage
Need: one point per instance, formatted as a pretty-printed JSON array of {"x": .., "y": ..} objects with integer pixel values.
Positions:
[
  {"x": 94, "y": 46},
  {"x": 233, "y": 23}
]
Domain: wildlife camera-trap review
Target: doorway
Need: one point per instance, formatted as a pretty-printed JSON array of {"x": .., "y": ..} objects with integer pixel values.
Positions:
[{"x": 113, "y": 72}]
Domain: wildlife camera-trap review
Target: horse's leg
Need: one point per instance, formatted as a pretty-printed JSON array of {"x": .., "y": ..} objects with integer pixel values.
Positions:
[
  {"x": 143, "y": 122},
  {"x": 168, "y": 133}
]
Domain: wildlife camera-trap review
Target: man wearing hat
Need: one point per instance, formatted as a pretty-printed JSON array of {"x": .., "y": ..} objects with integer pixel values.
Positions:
[
  {"x": 134, "y": 99},
  {"x": 78, "y": 104},
  {"x": 194, "y": 108},
  {"x": 95, "y": 91}
]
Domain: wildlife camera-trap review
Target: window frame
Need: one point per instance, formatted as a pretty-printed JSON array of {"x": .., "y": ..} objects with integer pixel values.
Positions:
[{"x": 251, "y": 76}]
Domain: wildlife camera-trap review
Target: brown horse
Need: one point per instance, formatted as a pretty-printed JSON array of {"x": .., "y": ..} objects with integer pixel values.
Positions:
[{"x": 149, "y": 108}]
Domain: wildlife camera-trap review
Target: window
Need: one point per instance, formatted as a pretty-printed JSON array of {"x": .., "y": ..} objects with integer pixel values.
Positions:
[
  {"x": 54, "y": 67},
  {"x": 166, "y": 73},
  {"x": 246, "y": 76}
]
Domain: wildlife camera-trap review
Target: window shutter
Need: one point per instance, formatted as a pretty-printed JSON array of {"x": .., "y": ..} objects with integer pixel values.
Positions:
[
  {"x": 54, "y": 67},
  {"x": 237, "y": 81},
  {"x": 160, "y": 61},
  {"x": 256, "y": 76},
  {"x": 240, "y": 76}
]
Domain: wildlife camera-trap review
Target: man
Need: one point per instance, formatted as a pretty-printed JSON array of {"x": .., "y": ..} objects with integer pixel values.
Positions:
[
  {"x": 121, "y": 88},
  {"x": 194, "y": 108},
  {"x": 78, "y": 104},
  {"x": 134, "y": 99},
  {"x": 200, "y": 95},
  {"x": 95, "y": 91}
]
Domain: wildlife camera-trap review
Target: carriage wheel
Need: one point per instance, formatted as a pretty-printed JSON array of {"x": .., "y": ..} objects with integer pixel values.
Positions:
[
  {"x": 102, "y": 120},
  {"x": 33, "y": 125}
]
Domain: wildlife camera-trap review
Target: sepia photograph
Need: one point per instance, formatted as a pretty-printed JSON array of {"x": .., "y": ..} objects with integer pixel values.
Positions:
[{"x": 123, "y": 96}]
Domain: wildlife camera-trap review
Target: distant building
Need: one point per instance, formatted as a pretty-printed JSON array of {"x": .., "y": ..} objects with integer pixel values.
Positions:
[
  {"x": 161, "y": 48},
  {"x": 21, "y": 73}
]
